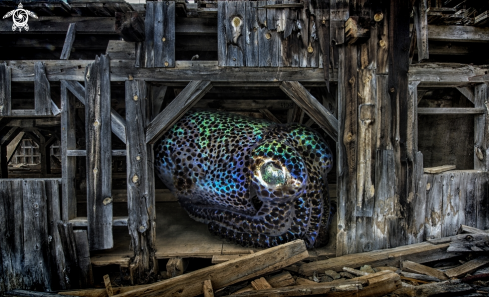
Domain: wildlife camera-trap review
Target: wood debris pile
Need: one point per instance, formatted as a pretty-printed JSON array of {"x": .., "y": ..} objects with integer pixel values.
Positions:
[{"x": 452, "y": 265}]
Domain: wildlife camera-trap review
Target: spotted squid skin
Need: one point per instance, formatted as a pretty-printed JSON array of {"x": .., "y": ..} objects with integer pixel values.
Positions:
[{"x": 215, "y": 163}]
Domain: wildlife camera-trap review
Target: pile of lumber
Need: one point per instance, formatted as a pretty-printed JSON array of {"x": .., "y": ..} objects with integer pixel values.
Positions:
[{"x": 451, "y": 265}]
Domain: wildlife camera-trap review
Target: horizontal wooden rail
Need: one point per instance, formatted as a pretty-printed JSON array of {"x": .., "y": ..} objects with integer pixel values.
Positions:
[
  {"x": 83, "y": 153},
  {"x": 450, "y": 110},
  {"x": 83, "y": 222}
]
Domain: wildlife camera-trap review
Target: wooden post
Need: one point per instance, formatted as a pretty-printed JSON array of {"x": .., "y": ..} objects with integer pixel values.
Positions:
[
  {"x": 99, "y": 154},
  {"x": 421, "y": 23},
  {"x": 481, "y": 138},
  {"x": 5, "y": 90},
  {"x": 160, "y": 34},
  {"x": 70, "y": 38},
  {"x": 140, "y": 183},
  {"x": 68, "y": 164},
  {"x": 42, "y": 91}
]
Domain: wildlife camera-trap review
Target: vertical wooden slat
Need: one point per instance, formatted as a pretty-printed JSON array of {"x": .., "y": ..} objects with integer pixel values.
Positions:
[
  {"x": 265, "y": 53},
  {"x": 5, "y": 90},
  {"x": 54, "y": 215},
  {"x": 251, "y": 29},
  {"x": 149, "y": 31},
  {"x": 481, "y": 149},
  {"x": 470, "y": 199},
  {"x": 6, "y": 139},
  {"x": 83, "y": 256},
  {"x": 12, "y": 234},
  {"x": 421, "y": 23},
  {"x": 164, "y": 34},
  {"x": 42, "y": 90},
  {"x": 140, "y": 182},
  {"x": 68, "y": 243},
  {"x": 275, "y": 40},
  {"x": 70, "y": 38},
  {"x": 482, "y": 194},
  {"x": 434, "y": 207},
  {"x": 37, "y": 262},
  {"x": 324, "y": 35},
  {"x": 99, "y": 154},
  {"x": 415, "y": 208},
  {"x": 68, "y": 164}
]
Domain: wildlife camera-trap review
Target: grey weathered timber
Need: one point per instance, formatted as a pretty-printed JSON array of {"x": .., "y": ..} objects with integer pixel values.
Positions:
[
  {"x": 117, "y": 123},
  {"x": 99, "y": 154},
  {"x": 176, "y": 109},
  {"x": 160, "y": 34},
  {"x": 5, "y": 90},
  {"x": 68, "y": 164},
  {"x": 140, "y": 183},
  {"x": 421, "y": 23},
  {"x": 68, "y": 45},
  {"x": 36, "y": 256},
  {"x": 312, "y": 107},
  {"x": 83, "y": 256},
  {"x": 251, "y": 34},
  {"x": 83, "y": 153},
  {"x": 468, "y": 92},
  {"x": 265, "y": 54},
  {"x": 42, "y": 91},
  {"x": 58, "y": 272},
  {"x": 470, "y": 243},
  {"x": 458, "y": 33},
  {"x": 430, "y": 74},
  {"x": 450, "y": 110},
  {"x": 146, "y": 52},
  {"x": 481, "y": 137},
  {"x": 73, "y": 278},
  {"x": 6, "y": 139},
  {"x": 28, "y": 293},
  {"x": 83, "y": 222},
  {"x": 231, "y": 33}
]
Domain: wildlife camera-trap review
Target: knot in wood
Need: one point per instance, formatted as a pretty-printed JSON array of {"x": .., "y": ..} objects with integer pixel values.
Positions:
[
  {"x": 107, "y": 200},
  {"x": 166, "y": 63},
  {"x": 135, "y": 179},
  {"x": 268, "y": 36},
  {"x": 392, "y": 90},
  {"x": 138, "y": 158},
  {"x": 95, "y": 170},
  {"x": 96, "y": 123},
  {"x": 163, "y": 39},
  {"x": 352, "y": 80},
  {"x": 382, "y": 43},
  {"x": 378, "y": 17},
  {"x": 135, "y": 98},
  {"x": 310, "y": 49}
]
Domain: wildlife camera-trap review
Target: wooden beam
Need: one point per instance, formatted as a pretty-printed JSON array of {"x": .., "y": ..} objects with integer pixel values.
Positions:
[
  {"x": 439, "y": 169},
  {"x": 68, "y": 164},
  {"x": 42, "y": 91},
  {"x": 227, "y": 273},
  {"x": 140, "y": 183},
  {"x": 481, "y": 135},
  {"x": 419, "y": 252},
  {"x": 312, "y": 107},
  {"x": 421, "y": 23},
  {"x": 423, "y": 269},
  {"x": 83, "y": 222},
  {"x": 99, "y": 154},
  {"x": 468, "y": 92},
  {"x": 458, "y": 33},
  {"x": 5, "y": 90},
  {"x": 83, "y": 153},
  {"x": 176, "y": 109},
  {"x": 450, "y": 110},
  {"x": 68, "y": 45},
  {"x": 117, "y": 123},
  {"x": 467, "y": 267}
]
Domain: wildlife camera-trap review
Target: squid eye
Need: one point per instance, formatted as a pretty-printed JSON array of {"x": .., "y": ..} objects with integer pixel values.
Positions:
[{"x": 272, "y": 174}]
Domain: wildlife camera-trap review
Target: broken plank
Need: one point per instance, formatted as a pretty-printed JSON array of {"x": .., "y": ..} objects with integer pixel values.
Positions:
[
  {"x": 108, "y": 286},
  {"x": 70, "y": 38},
  {"x": 439, "y": 169},
  {"x": 423, "y": 269},
  {"x": 176, "y": 109},
  {"x": 176, "y": 266},
  {"x": 420, "y": 277},
  {"x": 478, "y": 242},
  {"x": 467, "y": 267},
  {"x": 208, "y": 290},
  {"x": 260, "y": 284},
  {"x": 323, "y": 288},
  {"x": 228, "y": 273},
  {"x": 419, "y": 252},
  {"x": 311, "y": 106},
  {"x": 283, "y": 279}
]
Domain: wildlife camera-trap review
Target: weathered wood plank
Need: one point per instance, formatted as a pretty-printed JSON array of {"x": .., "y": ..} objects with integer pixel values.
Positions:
[
  {"x": 68, "y": 45},
  {"x": 434, "y": 207},
  {"x": 470, "y": 243},
  {"x": 5, "y": 90},
  {"x": 450, "y": 110},
  {"x": 228, "y": 273},
  {"x": 68, "y": 164},
  {"x": 421, "y": 23},
  {"x": 157, "y": 99},
  {"x": 42, "y": 90},
  {"x": 419, "y": 252},
  {"x": 231, "y": 33},
  {"x": 481, "y": 137},
  {"x": 208, "y": 290},
  {"x": 251, "y": 31},
  {"x": 149, "y": 32},
  {"x": 467, "y": 267},
  {"x": 423, "y": 269},
  {"x": 164, "y": 34},
  {"x": 36, "y": 254},
  {"x": 312, "y": 107},
  {"x": 99, "y": 154},
  {"x": 72, "y": 278},
  {"x": 439, "y": 169},
  {"x": 458, "y": 33},
  {"x": 83, "y": 256},
  {"x": 176, "y": 109},
  {"x": 140, "y": 183}
]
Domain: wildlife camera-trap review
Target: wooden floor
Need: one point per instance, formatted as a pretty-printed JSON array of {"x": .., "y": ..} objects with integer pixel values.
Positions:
[{"x": 180, "y": 236}]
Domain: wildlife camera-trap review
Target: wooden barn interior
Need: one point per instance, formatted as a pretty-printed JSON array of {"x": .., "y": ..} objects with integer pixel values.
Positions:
[{"x": 398, "y": 89}]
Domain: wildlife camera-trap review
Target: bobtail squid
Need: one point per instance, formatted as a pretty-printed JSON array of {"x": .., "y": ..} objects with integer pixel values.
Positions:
[{"x": 254, "y": 182}]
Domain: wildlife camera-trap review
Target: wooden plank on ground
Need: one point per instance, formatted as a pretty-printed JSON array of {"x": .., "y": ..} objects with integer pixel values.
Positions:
[
  {"x": 420, "y": 253},
  {"x": 42, "y": 91},
  {"x": 260, "y": 284},
  {"x": 423, "y": 269},
  {"x": 468, "y": 229},
  {"x": 99, "y": 154},
  {"x": 176, "y": 109},
  {"x": 5, "y": 90},
  {"x": 228, "y": 273},
  {"x": 467, "y": 267},
  {"x": 478, "y": 242},
  {"x": 312, "y": 107},
  {"x": 70, "y": 38},
  {"x": 439, "y": 169},
  {"x": 68, "y": 164},
  {"x": 140, "y": 180}
]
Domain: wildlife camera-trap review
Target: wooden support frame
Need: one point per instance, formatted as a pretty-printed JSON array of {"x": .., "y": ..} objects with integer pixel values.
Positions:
[
  {"x": 5, "y": 90},
  {"x": 159, "y": 41},
  {"x": 176, "y": 109},
  {"x": 312, "y": 107},
  {"x": 42, "y": 91},
  {"x": 68, "y": 45},
  {"x": 99, "y": 154},
  {"x": 481, "y": 138},
  {"x": 140, "y": 183}
]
